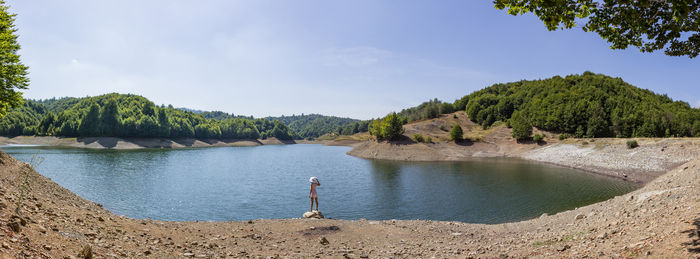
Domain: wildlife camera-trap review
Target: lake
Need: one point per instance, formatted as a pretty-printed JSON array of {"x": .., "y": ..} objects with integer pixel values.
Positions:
[{"x": 242, "y": 183}]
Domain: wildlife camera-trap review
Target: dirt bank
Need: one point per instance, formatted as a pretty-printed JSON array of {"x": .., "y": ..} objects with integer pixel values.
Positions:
[
  {"x": 603, "y": 156},
  {"x": 136, "y": 143},
  {"x": 660, "y": 220}
]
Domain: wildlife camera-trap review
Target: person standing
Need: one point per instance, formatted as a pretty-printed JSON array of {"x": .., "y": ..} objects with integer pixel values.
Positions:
[{"x": 312, "y": 193}]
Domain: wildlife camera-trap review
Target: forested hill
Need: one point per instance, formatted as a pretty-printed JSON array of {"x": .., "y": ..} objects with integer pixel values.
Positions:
[
  {"x": 308, "y": 126},
  {"x": 314, "y": 125},
  {"x": 121, "y": 115},
  {"x": 587, "y": 105}
]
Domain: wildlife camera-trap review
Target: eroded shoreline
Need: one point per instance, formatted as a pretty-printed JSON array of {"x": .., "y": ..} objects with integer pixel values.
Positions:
[
  {"x": 608, "y": 157},
  {"x": 657, "y": 220}
]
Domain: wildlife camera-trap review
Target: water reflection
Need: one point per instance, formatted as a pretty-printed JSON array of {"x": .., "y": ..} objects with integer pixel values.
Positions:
[{"x": 240, "y": 183}]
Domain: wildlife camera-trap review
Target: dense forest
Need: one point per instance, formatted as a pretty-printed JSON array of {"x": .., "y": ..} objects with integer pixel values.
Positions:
[
  {"x": 587, "y": 105},
  {"x": 314, "y": 125},
  {"x": 119, "y": 115}
]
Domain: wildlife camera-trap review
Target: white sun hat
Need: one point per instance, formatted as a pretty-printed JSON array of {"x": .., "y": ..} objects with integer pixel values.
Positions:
[{"x": 313, "y": 179}]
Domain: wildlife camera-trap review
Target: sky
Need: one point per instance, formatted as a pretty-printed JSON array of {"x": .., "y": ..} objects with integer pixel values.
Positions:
[{"x": 360, "y": 59}]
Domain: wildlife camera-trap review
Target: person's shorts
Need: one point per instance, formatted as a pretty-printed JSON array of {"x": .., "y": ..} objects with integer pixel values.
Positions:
[{"x": 313, "y": 195}]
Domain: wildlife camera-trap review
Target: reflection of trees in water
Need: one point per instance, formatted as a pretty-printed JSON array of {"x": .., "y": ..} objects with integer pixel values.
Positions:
[
  {"x": 385, "y": 170},
  {"x": 386, "y": 188}
]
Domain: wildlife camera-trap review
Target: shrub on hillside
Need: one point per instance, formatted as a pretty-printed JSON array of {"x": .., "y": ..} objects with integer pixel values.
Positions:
[
  {"x": 632, "y": 144},
  {"x": 457, "y": 134},
  {"x": 418, "y": 138},
  {"x": 564, "y": 136},
  {"x": 538, "y": 138}
]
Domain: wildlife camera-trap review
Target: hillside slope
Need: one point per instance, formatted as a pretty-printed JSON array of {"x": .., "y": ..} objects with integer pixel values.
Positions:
[{"x": 606, "y": 156}]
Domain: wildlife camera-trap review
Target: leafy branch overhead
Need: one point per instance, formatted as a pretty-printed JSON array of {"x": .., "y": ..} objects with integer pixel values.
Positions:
[
  {"x": 672, "y": 25},
  {"x": 13, "y": 74}
]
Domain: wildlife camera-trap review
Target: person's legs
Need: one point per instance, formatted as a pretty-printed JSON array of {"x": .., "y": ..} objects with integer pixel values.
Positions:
[
  {"x": 312, "y": 205},
  {"x": 316, "y": 203}
]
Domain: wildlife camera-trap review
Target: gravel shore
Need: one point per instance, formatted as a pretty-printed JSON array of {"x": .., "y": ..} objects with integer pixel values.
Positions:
[{"x": 609, "y": 157}]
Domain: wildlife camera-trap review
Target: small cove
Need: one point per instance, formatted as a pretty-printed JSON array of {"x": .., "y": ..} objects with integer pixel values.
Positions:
[{"x": 241, "y": 183}]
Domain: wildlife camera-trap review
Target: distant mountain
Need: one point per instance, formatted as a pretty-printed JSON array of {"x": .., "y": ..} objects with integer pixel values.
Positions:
[
  {"x": 313, "y": 125},
  {"x": 307, "y": 126}
]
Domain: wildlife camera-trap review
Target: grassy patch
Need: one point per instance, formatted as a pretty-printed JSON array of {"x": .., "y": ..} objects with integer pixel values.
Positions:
[{"x": 477, "y": 134}]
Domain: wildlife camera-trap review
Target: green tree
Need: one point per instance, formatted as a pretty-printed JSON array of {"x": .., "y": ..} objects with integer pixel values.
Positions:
[
  {"x": 375, "y": 129},
  {"x": 148, "y": 108},
  {"x": 696, "y": 128},
  {"x": 13, "y": 73},
  {"x": 89, "y": 125},
  {"x": 392, "y": 127},
  {"x": 280, "y": 131},
  {"x": 146, "y": 126},
  {"x": 456, "y": 133},
  {"x": 522, "y": 130},
  {"x": 47, "y": 125},
  {"x": 648, "y": 25},
  {"x": 110, "y": 119},
  {"x": 163, "y": 124},
  {"x": 597, "y": 126}
]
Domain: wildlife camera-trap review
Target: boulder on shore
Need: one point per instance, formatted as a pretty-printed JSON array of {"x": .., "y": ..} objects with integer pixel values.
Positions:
[{"x": 313, "y": 215}]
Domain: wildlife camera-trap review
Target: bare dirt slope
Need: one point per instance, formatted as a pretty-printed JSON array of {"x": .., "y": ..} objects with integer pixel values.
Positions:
[
  {"x": 660, "y": 220},
  {"x": 610, "y": 157}
]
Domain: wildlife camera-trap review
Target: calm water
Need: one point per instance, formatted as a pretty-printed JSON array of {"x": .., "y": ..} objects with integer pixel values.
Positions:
[{"x": 241, "y": 183}]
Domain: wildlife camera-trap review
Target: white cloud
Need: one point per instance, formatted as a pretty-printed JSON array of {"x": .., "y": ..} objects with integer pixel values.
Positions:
[{"x": 697, "y": 104}]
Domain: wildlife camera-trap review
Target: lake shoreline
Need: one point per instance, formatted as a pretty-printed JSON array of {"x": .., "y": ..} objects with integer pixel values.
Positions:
[
  {"x": 605, "y": 156},
  {"x": 137, "y": 143},
  {"x": 655, "y": 220}
]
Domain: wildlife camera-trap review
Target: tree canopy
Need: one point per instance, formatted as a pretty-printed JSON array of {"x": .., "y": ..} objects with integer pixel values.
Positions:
[
  {"x": 587, "y": 105},
  {"x": 388, "y": 128},
  {"x": 672, "y": 25},
  {"x": 314, "y": 125},
  {"x": 13, "y": 74},
  {"x": 120, "y": 115}
]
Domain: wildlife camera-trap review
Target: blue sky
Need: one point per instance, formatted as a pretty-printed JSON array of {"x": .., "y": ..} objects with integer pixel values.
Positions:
[{"x": 359, "y": 59}]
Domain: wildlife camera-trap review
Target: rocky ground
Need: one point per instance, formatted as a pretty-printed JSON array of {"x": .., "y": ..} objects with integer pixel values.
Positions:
[
  {"x": 660, "y": 220},
  {"x": 652, "y": 158}
]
